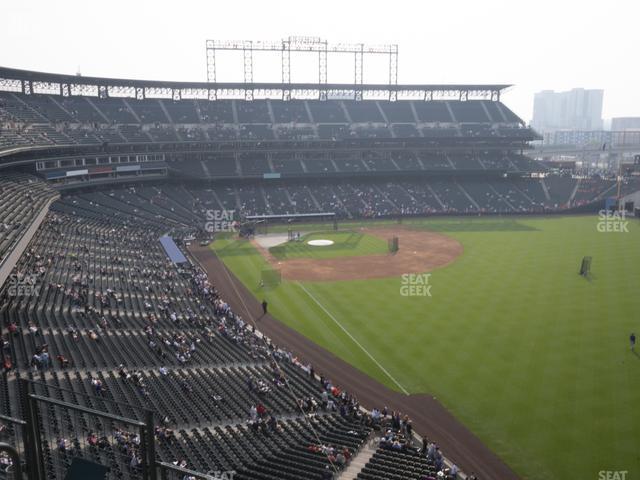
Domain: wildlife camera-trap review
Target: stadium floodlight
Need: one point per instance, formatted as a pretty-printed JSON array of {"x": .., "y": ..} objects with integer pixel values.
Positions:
[{"x": 301, "y": 44}]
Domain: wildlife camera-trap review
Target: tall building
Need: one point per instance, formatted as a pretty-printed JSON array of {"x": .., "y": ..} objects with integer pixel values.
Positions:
[
  {"x": 577, "y": 109},
  {"x": 625, "y": 123}
]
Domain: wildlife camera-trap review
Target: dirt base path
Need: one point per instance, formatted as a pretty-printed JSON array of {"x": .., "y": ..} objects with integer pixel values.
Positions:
[
  {"x": 429, "y": 417},
  {"x": 420, "y": 251}
]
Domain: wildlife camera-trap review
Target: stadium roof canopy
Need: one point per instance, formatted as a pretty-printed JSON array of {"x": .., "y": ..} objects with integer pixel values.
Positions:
[{"x": 29, "y": 82}]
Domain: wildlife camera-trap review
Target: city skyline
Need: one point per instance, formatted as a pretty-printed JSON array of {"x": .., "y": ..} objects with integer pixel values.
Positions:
[{"x": 575, "y": 109}]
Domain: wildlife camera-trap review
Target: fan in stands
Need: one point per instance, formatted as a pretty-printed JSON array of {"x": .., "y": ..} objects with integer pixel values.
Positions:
[{"x": 90, "y": 182}]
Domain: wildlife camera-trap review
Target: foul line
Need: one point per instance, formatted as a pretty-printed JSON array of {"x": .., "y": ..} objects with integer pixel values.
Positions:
[{"x": 352, "y": 338}]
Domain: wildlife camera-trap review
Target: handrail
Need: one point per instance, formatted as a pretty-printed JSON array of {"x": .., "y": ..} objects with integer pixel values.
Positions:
[
  {"x": 91, "y": 411},
  {"x": 87, "y": 395},
  {"x": 13, "y": 420}
]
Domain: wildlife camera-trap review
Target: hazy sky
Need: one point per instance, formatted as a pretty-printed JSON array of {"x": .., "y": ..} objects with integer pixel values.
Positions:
[{"x": 545, "y": 44}]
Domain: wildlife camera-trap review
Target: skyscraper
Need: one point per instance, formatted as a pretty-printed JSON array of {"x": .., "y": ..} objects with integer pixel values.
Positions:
[
  {"x": 625, "y": 123},
  {"x": 577, "y": 109}
]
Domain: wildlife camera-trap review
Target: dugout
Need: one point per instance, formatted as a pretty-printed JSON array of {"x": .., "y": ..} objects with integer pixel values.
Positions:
[{"x": 262, "y": 222}]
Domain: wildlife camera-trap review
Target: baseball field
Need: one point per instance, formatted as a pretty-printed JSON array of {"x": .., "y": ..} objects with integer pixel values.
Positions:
[{"x": 532, "y": 357}]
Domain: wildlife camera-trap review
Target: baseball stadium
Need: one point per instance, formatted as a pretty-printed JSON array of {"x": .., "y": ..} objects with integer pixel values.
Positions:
[{"x": 282, "y": 281}]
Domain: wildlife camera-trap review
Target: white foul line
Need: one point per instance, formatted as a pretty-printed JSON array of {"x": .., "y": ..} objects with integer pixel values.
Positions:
[{"x": 354, "y": 340}]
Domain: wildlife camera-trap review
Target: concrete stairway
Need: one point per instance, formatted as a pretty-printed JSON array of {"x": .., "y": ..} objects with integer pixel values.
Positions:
[{"x": 358, "y": 462}]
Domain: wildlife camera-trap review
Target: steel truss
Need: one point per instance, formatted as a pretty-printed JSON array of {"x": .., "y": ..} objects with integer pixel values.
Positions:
[
  {"x": 29, "y": 83},
  {"x": 302, "y": 45}
]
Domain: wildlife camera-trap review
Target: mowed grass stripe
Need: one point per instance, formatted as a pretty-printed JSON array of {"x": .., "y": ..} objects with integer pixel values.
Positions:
[
  {"x": 532, "y": 357},
  {"x": 354, "y": 340}
]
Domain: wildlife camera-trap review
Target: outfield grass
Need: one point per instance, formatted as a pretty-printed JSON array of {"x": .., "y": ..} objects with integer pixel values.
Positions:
[
  {"x": 529, "y": 355},
  {"x": 347, "y": 243}
]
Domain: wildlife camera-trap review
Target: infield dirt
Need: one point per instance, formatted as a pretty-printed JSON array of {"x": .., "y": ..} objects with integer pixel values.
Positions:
[{"x": 420, "y": 251}]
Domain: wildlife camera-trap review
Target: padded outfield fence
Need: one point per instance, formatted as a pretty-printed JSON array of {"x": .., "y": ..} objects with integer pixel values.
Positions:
[{"x": 260, "y": 223}]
